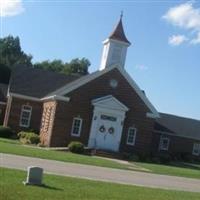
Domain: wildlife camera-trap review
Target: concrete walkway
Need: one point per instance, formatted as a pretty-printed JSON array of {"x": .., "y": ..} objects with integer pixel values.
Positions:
[{"x": 102, "y": 173}]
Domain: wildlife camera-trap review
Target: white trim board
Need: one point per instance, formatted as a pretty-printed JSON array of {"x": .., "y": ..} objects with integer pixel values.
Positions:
[
  {"x": 54, "y": 97},
  {"x": 2, "y": 103},
  {"x": 105, "y": 102},
  {"x": 82, "y": 81},
  {"x": 20, "y": 96}
]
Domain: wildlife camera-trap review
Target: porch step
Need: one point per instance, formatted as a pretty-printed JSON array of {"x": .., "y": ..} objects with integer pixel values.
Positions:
[{"x": 107, "y": 154}]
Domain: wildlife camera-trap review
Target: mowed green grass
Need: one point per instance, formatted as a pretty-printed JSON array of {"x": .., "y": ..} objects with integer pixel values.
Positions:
[
  {"x": 175, "y": 169},
  {"x": 13, "y": 147},
  {"x": 61, "y": 188}
]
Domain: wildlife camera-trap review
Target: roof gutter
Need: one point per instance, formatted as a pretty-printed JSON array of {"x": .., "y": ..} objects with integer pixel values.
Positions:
[
  {"x": 54, "y": 97},
  {"x": 2, "y": 103}
]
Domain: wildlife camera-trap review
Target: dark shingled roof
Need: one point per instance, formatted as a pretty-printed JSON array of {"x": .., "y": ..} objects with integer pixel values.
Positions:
[
  {"x": 37, "y": 82},
  {"x": 118, "y": 33},
  {"x": 179, "y": 126},
  {"x": 3, "y": 92}
]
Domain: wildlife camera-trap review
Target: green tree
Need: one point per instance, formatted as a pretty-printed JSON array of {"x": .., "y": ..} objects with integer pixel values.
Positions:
[
  {"x": 78, "y": 66},
  {"x": 11, "y": 53},
  {"x": 75, "y": 66},
  {"x": 4, "y": 74},
  {"x": 55, "y": 65}
]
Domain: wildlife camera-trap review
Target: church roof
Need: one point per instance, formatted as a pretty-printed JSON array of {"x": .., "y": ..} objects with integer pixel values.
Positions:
[
  {"x": 178, "y": 126},
  {"x": 37, "y": 82},
  {"x": 118, "y": 33}
]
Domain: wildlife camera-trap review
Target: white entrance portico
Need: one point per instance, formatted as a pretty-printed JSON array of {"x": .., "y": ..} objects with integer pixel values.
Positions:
[{"x": 107, "y": 123}]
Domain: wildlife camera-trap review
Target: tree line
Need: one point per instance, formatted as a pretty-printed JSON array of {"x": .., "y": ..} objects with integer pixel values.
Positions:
[{"x": 12, "y": 55}]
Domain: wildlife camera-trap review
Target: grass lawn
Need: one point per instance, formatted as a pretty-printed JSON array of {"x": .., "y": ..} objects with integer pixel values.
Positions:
[
  {"x": 13, "y": 147},
  {"x": 175, "y": 169},
  {"x": 61, "y": 188}
]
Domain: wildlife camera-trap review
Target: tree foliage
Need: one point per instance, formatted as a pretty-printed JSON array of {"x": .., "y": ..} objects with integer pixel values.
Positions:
[
  {"x": 12, "y": 55},
  {"x": 75, "y": 66},
  {"x": 4, "y": 74},
  {"x": 11, "y": 52}
]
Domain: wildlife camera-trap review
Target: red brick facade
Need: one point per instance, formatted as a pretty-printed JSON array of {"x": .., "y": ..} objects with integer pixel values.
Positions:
[
  {"x": 80, "y": 106},
  {"x": 2, "y": 112},
  {"x": 54, "y": 118},
  {"x": 177, "y": 144},
  {"x": 13, "y": 119}
]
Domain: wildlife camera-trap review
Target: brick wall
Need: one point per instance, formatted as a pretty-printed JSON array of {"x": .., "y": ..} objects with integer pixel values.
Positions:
[
  {"x": 47, "y": 121},
  {"x": 2, "y": 113},
  {"x": 15, "y": 112},
  {"x": 176, "y": 145},
  {"x": 80, "y": 106}
]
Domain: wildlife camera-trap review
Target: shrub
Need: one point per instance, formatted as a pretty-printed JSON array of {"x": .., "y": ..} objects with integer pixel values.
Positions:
[
  {"x": 125, "y": 156},
  {"x": 76, "y": 147},
  {"x": 144, "y": 157},
  {"x": 165, "y": 158},
  {"x": 186, "y": 157},
  {"x": 134, "y": 157},
  {"x": 28, "y": 137},
  {"x": 155, "y": 159},
  {"x": 21, "y": 134},
  {"x": 5, "y": 132}
]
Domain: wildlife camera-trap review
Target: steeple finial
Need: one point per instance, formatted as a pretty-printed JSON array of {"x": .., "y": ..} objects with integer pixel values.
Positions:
[{"x": 121, "y": 15}]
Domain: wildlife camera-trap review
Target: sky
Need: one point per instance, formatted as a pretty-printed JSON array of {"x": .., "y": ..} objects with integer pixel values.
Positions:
[{"x": 164, "y": 58}]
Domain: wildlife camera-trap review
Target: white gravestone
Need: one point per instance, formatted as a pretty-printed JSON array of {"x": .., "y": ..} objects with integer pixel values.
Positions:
[{"x": 34, "y": 176}]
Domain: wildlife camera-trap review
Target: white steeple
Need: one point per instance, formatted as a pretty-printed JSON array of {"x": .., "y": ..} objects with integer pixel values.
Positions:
[{"x": 115, "y": 48}]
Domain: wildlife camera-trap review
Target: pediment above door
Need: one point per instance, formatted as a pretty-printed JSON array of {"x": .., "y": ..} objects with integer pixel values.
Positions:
[{"x": 110, "y": 103}]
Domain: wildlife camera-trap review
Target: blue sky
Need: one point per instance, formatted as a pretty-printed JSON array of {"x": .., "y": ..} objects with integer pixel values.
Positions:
[{"x": 164, "y": 58}]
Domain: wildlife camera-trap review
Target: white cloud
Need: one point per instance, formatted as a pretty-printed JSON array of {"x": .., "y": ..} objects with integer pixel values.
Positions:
[
  {"x": 141, "y": 67},
  {"x": 196, "y": 40},
  {"x": 184, "y": 16},
  {"x": 176, "y": 40},
  {"x": 187, "y": 17},
  {"x": 10, "y": 7}
]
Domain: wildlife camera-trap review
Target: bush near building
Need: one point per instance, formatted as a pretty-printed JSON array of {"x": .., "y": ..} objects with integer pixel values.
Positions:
[
  {"x": 28, "y": 137},
  {"x": 5, "y": 132}
]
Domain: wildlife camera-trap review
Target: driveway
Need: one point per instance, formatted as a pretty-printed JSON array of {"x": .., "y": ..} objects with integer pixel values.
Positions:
[{"x": 101, "y": 173}]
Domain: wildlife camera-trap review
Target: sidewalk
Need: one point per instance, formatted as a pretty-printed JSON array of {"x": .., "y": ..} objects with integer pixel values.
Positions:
[{"x": 102, "y": 173}]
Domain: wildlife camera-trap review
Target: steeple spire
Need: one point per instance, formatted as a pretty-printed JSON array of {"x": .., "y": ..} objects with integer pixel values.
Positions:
[
  {"x": 115, "y": 47},
  {"x": 118, "y": 33},
  {"x": 121, "y": 15}
]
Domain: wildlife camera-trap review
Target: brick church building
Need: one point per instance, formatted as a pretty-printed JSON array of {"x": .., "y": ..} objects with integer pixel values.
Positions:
[{"x": 104, "y": 110}]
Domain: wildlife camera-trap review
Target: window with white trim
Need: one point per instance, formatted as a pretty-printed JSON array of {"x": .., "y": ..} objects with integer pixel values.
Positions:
[
  {"x": 25, "y": 117},
  {"x": 164, "y": 143},
  {"x": 76, "y": 127},
  {"x": 131, "y": 136},
  {"x": 196, "y": 149}
]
